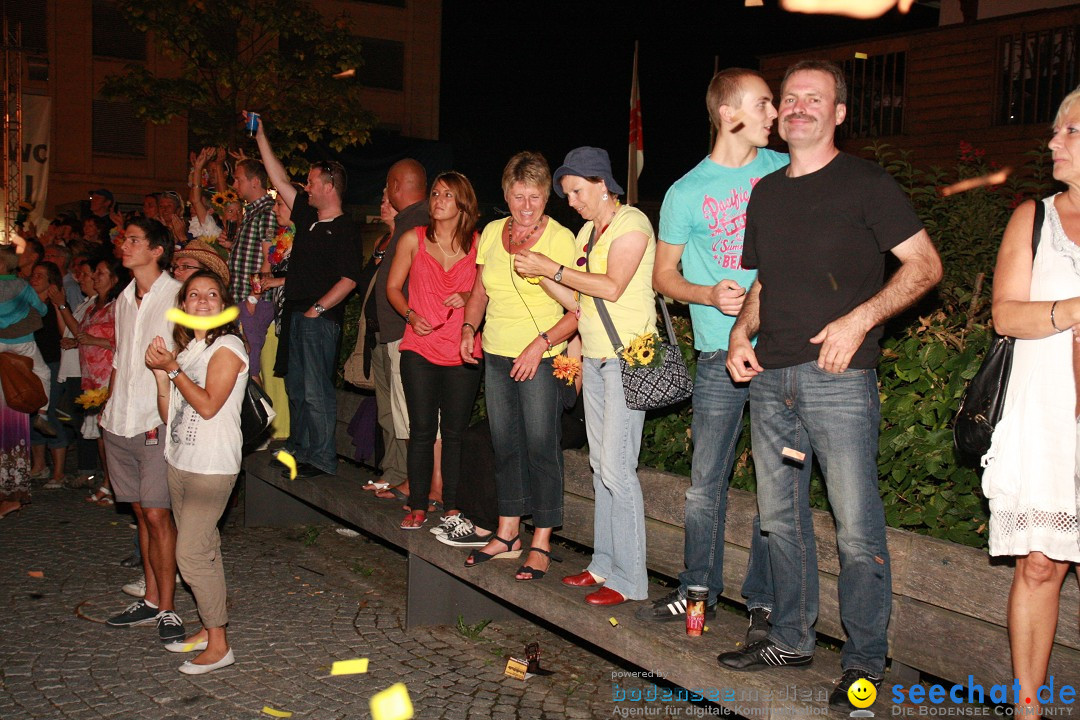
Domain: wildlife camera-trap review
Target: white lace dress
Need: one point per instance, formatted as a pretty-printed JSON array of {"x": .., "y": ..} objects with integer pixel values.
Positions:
[{"x": 1030, "y": 477}]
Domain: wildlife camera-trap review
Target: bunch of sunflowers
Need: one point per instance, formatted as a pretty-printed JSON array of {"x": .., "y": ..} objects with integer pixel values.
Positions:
[
  {"x": 644, "y": 351},
  {"x": 566, "y": 368},
  {"x": 93, "y": 398},
  {"x": 221, "y": 200}
]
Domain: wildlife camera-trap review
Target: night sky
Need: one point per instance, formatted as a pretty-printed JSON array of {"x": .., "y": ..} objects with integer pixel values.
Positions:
[{"x": 550, "y": 75}]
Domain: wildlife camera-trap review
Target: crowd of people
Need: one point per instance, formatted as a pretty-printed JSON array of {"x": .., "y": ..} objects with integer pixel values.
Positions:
[{"x": 789, "y": 329}]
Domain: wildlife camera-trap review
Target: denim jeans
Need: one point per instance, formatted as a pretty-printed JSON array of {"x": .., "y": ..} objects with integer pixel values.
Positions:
[
  {"x": 837, "y": 417},
  {"x": 313, "y": 346},
  {"x": 440, "y": 399},
  {"x": 64, "y": 434},
  {"x": 526, "y": 430},
  {"x": 619, "y": 511},
  {"x": 716, "y": 426}
]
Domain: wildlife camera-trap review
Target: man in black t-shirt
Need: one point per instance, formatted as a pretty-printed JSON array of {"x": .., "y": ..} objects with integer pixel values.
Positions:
[
  {"x": 818, "y": 232},
  {"x": 324, "y": 266}
]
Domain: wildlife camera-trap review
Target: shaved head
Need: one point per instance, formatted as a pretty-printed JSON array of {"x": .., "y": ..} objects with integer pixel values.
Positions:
[{"x": 406, "y": 183}]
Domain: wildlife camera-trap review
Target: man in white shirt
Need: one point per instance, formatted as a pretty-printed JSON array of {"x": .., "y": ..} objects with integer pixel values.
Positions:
[{"x": 132, "y": 429}]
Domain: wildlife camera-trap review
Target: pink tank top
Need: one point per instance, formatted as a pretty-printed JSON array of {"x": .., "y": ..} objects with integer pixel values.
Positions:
[{"x": 429, "y": 286}]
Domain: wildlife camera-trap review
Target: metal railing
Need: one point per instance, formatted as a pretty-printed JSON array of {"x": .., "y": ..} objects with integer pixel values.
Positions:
[
  {"x": 875, "y": 105},
  {"x": 1037, "y": 69}
]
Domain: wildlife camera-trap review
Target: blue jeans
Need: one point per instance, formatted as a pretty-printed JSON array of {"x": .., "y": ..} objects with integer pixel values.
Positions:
[
  {"x": 619, "y": 513},
  {"x": 526, "y": 429},
  {"x": 716, "y": 426},
  {"x": 313, "y": 346},
  {"x": 64, "y": 434},
  {"x": 836, "y": 417}
]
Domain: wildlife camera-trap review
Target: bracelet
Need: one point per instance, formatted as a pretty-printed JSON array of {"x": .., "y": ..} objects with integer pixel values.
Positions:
[
  {"x": 544, "y": 335},
  {"x": 1053, "y": 307},
  {"x": 407, "y": 314},
  {"x": 469, "y": 325}
]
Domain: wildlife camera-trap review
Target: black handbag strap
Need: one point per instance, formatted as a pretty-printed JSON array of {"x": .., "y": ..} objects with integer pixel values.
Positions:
[
  {"x": 1036, "y": 233},
  {"x": 605, "y": 317}
]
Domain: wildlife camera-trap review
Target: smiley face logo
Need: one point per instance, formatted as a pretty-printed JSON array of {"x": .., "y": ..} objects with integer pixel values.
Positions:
[{"x": 862, "y": 693}]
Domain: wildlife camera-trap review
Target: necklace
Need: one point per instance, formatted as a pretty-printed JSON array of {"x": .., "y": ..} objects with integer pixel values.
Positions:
[
  {"x": 435, "y": 237},
  {"x": 522, "y": 241}
]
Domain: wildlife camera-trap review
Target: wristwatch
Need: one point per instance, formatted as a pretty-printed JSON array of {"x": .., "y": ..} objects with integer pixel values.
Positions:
[
  {"x": 557, "y": 277},
  {"x": 62, "y": 306},
  {"x": 173, "y": 373},
  {"x": 319, "y": 309},
  {"x": 253, "y": 300}
]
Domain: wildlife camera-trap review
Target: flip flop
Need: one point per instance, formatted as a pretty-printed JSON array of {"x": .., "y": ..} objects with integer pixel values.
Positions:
[
  {"x": 535, "y": 574},
  {"x": 413, "y": 517},
  {"x": 376, "y": 486},
  {"x": 392, "y": 493},
  {"x": 435, "y": 506},
  {"x": 479, "y": 556}
]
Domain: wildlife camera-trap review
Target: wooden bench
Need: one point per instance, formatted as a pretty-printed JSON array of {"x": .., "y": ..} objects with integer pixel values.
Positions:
[{"x": 949, "y": 601}]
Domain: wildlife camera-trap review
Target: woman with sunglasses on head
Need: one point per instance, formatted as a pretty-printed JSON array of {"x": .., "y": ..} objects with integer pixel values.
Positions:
[
  {"x": 439, "y": 261},
  {"x": 525, "y": 329},
  {"x": 200, "y": 388}
]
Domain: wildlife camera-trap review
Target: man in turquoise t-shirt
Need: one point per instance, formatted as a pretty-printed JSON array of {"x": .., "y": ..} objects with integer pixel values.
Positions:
[{"x": 702, "y": 223}]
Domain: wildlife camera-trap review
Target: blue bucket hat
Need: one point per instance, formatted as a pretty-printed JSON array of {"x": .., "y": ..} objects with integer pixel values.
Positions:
[{"x": 586, "y": 162}]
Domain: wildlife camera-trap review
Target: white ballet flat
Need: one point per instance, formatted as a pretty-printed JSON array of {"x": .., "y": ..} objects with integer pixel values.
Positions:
[{"x": 190, "y": 668}]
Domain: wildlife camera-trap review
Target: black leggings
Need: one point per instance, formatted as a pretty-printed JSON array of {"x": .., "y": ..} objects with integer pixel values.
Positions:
[{"x": 438, "y": 397}]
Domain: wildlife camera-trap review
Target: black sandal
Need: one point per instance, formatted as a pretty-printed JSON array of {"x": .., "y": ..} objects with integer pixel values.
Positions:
[
  {"x": 535, "y": 574},
  {"x": 478, "y": 556}
]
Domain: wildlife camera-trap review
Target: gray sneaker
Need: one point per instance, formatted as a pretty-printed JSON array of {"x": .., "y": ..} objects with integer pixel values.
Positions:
[
  {"x": 137, "y": 613},
  {"x": 668, "y": 608},
  {"x": 759, "y": 625}
]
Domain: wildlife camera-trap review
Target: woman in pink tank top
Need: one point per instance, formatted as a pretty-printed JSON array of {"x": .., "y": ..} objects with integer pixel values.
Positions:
[{"x": 439, "y": 263}]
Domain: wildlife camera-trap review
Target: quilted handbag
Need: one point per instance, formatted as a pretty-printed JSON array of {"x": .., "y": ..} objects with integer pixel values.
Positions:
[
  {"x": 652, "y": 388},
  {"x": 984, "y": 398}
]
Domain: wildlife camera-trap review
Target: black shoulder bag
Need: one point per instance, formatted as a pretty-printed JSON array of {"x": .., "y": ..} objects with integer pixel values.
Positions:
[{"x": 984, "y": 398}]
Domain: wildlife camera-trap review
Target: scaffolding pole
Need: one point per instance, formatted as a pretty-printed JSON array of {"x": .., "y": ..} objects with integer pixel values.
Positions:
[{"x": 13, "y": 127}]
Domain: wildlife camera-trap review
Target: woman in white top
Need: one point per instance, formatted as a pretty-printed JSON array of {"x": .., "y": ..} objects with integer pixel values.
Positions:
[{"x": 200, "y": 389}]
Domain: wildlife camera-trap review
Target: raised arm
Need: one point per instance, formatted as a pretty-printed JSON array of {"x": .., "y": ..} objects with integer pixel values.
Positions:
[
  {"x": 274, "y": 169},
  {"x": 195, "y": 196}
]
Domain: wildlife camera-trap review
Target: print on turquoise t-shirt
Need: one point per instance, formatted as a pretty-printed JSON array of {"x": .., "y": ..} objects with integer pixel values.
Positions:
[{"x": 705, "y": 210}]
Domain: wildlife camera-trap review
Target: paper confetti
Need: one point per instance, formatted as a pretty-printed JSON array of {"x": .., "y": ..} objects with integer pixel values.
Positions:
[
  {"x": 349, "y": 667},
  {"x": 276, "y": 713},
  {"x": 755, "y": 3},
  {"x": 351, "y": 72},
  {"x": 201, "y": 322},
  {"x": 793, "y": 454},
  {"x": 393, "y": 703},
  {"x": 192, "y": 647},
  {"x": 285, "y": 458},
  {"x": 613, "y": 621},
  {"x": 862, "y": 9},
  {"x": 861, "y": 56},
  {"x": 971, "y": 183},
  {"x": 36, "y": 573}
]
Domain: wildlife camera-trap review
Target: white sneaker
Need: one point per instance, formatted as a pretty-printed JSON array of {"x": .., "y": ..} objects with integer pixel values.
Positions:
[
  {"x": 447, "y": 523},
  {"x": 136, "y": 588}
]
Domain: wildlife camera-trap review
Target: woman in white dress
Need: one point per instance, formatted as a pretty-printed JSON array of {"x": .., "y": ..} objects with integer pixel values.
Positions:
[{"x": 1031, "y": 466}]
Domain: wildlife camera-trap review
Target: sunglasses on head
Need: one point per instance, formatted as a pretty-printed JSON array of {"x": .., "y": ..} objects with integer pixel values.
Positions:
[{"x": 328, "y": 169}]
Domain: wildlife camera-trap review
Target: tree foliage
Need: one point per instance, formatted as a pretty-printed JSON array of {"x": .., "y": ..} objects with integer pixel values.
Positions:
[{"x": 275, "y": 57}]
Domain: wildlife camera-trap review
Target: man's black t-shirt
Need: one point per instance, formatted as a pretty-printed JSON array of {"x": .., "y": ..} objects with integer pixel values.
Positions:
[
  {"x": 819, "y": 243},
  {"x": 322, "y": 254}
]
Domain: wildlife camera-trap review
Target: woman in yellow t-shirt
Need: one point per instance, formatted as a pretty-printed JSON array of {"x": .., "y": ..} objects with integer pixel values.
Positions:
[
  {"x": 615, "y": 250},
  {"x": 525, "y": 328}
]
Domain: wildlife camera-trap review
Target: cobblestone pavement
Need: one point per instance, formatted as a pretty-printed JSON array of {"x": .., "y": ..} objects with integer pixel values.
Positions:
[{"x": 298, "y": 600}]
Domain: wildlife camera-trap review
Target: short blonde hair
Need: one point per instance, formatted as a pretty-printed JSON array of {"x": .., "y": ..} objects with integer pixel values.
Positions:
[
  {"x": 530, "y": 168},
  {"x": 1066, "y": 106}
]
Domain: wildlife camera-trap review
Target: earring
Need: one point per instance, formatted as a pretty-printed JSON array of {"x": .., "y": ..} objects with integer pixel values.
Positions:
[{"x": 605, "y": 196}]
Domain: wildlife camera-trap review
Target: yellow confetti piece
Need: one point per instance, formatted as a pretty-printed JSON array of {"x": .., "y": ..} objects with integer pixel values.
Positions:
[
  {"x": 705, "y": 629},
  {"x": 201, "y": 322},
  {"x": 276, "y": 713},
  {"x": 285, "y": 458},
  {"x": 613, "y": 621},
  {"x": 393, "y": 703},
  {"x": 192, "y": 646},
  {"x": 349, "y": 667},
  {"x": 36, "y": 573}
]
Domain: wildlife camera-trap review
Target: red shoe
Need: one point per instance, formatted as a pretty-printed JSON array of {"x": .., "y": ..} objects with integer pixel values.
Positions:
[
  {"x": 582, "y": 579},
  {"x": 605, "y": 596}
]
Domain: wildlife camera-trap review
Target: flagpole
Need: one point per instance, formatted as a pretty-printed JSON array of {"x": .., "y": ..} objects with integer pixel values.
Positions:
[{"x": 636, "y": 158}]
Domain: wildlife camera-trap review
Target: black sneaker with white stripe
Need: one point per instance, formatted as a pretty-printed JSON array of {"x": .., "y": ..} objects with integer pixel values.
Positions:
[
  {"x": 668, "y": 608},
  {"x": 761, "y": 655},
  {"x": 170, "y": 627}
]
